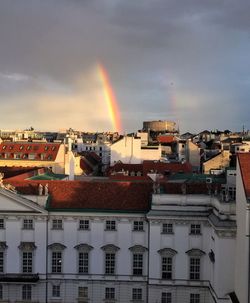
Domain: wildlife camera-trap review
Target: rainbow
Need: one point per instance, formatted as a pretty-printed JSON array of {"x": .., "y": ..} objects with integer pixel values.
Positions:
[{"x": 110, "y": 98}]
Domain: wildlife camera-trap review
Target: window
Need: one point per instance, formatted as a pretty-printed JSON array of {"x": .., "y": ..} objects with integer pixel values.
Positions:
[
  {"x": 27, "y": 264},
  {"x": 194, "y": 268},
  {"x": 110, "y": 225},
  {"x": 195, "y": 229},
  {"x": 84, "y": 224},
  {"x": 57, "y": 224},
  {"x": 194, "y": 298},
  {"x": 136, "y": 294},
  {"x": 1, "y": 261},
  {"x": 1, "y": 291},
  {"x": 2, "y": 224},
  {"x": 137, "y": 264},
  {"x": 26, "y": 292},
  {"x": 166, "y": 297},
  {"x": 56, "y": 291},
  {"x": 109, "y": 293},
  {"x": 83, "y": 262},
  {"x": 166, "y": 268},
  {"x": 167, "y": 228},
  {"x": 83, "y": 294},
  {"x": 138, "y": 226},
  {"x": 27, "y": 224},
  {"x": 56, "y": 262},
  {"x": 110, "y": 263}
]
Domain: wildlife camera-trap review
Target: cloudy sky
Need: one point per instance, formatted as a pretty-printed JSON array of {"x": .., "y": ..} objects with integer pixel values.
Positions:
[{"x": 181, "y": 60}]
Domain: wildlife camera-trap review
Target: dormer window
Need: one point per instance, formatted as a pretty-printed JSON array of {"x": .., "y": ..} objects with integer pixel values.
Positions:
[
  {"x": 46, "y": 148},
  {"x": 21, "y": 147},
  {"x": 29, "y": 147},
  {"x": 53, "y": 148},
  {"x": 4, "y": 146}
]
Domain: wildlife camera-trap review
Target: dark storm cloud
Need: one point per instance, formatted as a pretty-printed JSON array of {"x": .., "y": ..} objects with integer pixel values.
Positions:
[{"x": 196, "y": 50}]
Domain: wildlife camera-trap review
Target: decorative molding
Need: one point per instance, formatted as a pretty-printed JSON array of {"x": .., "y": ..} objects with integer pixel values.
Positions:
[
  {"x": 169, "y": 252},
  {"x": 138, "y": 248},
  {"x": 84, "y": 247},
  {"x": 56, "y": 246},
  {"x": 30, "y": 246},
  {"x": 195, "y": 252},
  {"x": 110, "y": 248}
]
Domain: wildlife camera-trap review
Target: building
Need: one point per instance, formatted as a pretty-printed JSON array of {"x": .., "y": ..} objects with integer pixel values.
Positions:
[{"x": 105, "y": 241}]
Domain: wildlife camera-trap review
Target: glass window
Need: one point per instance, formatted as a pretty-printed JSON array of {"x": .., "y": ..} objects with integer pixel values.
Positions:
[
  {"x": 195, "y": 229},
  {"x": 27, "y": 263},
  {"x": 83, "y": 292},
  {"x": 167, "y": 228},
  {"x": 1, "y": 291},
  {"x": 1, "y": 261},
  {"x": 83, "y": 266},
  {"x": 194, "y": 268},
  {"x": 194, "y": 298},
  {"x": 136, "y": 294},
  {"x": 84, "y": 224},
  {"x": 109, "y": 293},
  {"x": 166, "y": 297},
  {"x": 2, "y": 224},
  {"x": 56, "y": 262},
  {"x": 137, "y": 264},
  {"x": 138, "y": 226},
  {"x": 27, "y": 224},
  {"x": 57, "y": 224},
  {"x": 26, "y": 292},
  {"x": 56, "y": 291},
  {"x": 166, "y": 266},
  {"x": 110, "y": 225},
  {"x": 110, "y": 263}
]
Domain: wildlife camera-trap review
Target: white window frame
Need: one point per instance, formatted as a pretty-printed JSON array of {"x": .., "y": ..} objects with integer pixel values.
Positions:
[
  {"x": 2, "y": 261},
  {"x": 83, "y": 262},
  {"x": 110, "y": 263},
  {"x": 138, "y": 261},
  {"x": 56, "y": 291},
  {"x": 195, "y": 229},
  {"x": 109, "y": 293},
  {"x": 84, "y": 224},
  {"x": 136, "y": 294},
  {"x": 195, "y": 298},
  {"x": 2, "y": 223},
  {"x": 83, "y": 292},
  {"x": 27, "y": 261},
  {"x": 28, "y": 224},
  {"x": 110, "y": 225},
  {"x": 167, "y": 228},
  {"x": 195, "y": 268},
  {"x": 27, "y": 292},
  {"x": 56, "y": 261},
  {"x": 166, "y": 297},
  {"x": 57, "y": 224},
  {"x": 167, "y": 267},
  {"x": 138, "y": 225}
]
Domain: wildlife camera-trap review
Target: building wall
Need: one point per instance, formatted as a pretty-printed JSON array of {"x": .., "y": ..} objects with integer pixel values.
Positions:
[
  {"x": 242, "y": 251},
  {"x": 220, "y": 161}
]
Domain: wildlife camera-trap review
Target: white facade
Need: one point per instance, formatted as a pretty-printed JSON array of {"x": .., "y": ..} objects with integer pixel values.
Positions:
[
  {"x": 122, "y": 257},
  {"x": 129, "y": 150}
]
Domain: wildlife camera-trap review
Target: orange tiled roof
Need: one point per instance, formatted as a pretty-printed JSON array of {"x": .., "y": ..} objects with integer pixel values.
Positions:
[
  {"x": 40, "y": 151},
  {"x": 112, "y": 196},
  {"x": 244, "y": 162},
  {"x": 162, "y": 167},
  {"x": 166, "y": 139}
]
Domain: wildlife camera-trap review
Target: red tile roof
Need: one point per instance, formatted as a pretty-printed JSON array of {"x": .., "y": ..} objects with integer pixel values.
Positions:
[
  {"x": 10, "y": 172},
  {"x": 161, "y": 167},
  {"x": 41, "y": 151},
  {"x": 244, "y": 163},
  {"x": 166, "y": 139},
  {"x": 99, "y": 196}
]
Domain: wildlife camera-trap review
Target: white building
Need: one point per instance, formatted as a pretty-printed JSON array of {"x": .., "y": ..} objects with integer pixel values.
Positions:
[{"x": 99, "y": 242}]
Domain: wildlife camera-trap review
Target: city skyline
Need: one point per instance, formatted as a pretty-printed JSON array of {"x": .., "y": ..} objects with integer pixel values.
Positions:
[{"x": 168, "y": 60}]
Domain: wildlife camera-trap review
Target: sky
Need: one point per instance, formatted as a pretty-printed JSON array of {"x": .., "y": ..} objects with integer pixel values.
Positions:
[{"x": 181, "y": 60}]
